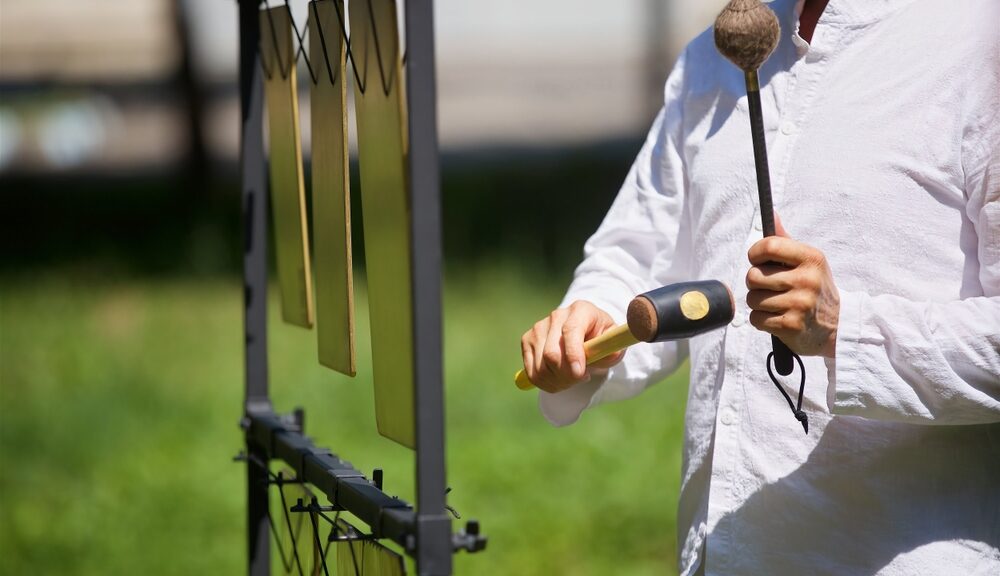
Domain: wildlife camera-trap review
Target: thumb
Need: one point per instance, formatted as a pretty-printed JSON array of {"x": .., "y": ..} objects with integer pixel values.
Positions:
[{"x": 779, "y": 229}]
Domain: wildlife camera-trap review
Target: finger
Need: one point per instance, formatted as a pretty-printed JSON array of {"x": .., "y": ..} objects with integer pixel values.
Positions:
[
  {"x": 779, "y": 229},
  {"x": 607, "y": 362},
  {"x": 574, "y": 332},
  {"x": 770, "y": 277},
  {"x": 768, "y": 301},
  {"x": 787, "y": 325},
  {"x": 528, "y": 354},
  {"x": 781, "y": 250},
  {"x": 552, "y": 353},
  {"x": 769, "y": 322},
  {"x": 539, "y": 331}
]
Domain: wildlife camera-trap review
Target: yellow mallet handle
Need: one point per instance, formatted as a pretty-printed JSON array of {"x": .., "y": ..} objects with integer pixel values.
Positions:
[{"x": 618, "y": 338}]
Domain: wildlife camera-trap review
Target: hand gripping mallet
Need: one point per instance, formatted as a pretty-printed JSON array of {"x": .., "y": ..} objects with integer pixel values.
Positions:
[
  {"x": 746, "y": 33},
  {"x": 671, "y": 312}
]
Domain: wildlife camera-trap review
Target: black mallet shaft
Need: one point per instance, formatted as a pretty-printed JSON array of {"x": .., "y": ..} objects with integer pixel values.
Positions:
[{"x": 746, "y": 33}]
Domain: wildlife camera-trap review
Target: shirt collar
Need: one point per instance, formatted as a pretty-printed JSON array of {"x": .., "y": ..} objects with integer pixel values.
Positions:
[{"x": 840, "y": 12}]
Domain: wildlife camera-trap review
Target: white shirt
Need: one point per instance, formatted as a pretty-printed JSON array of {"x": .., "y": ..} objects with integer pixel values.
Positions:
[{"x": 884, "y": 143}]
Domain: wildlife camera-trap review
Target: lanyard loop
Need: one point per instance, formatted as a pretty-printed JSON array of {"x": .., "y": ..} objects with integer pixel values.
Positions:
[{"x": 796, "y": 407}]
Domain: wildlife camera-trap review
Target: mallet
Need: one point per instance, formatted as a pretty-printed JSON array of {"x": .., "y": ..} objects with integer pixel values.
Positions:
[
  {"x": 746, "y": 33},
  {"x": 671, "y": 312}
]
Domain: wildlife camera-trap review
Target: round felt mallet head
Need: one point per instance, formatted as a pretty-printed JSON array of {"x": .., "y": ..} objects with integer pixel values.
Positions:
[{"x": 746, "y": 33}]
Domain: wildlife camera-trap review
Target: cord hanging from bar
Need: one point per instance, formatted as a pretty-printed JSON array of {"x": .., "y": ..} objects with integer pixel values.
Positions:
[
  {"x": 301, "y": 51},
  {"x": 322, "y": 39},
  {"x": 269, "y": 71},
  {"x": 288, "y": 522},
  {"x": 292, "y": 559},
  {"x": 386, "y": 78},
  {"x": 386, "y": 83}
]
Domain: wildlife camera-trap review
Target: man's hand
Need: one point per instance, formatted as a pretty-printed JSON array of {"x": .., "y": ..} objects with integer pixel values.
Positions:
[
  {"x": 552, "y": 350},
  {"x": 793, "y": 295}
]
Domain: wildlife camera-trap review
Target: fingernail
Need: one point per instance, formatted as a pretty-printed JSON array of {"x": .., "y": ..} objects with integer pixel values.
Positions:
[{"x": 578, "y": 367}]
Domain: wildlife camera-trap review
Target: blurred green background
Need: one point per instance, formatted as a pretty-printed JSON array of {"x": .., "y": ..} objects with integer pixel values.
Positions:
[
  {"x": 121, "y": 368},
  {"x": 120, "y": 400},
  {"x": 121, "y": 389}
]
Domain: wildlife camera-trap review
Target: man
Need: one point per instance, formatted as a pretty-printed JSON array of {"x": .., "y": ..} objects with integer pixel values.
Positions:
[{"x": 884, "y": 140}]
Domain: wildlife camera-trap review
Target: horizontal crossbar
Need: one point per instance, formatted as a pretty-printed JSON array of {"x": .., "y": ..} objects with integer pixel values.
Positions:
[{"x": 344, "y": 486}]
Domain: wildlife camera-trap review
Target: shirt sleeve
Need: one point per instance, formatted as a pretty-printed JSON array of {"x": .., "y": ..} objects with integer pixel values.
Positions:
[
  {"x": 930, "y": 362},
  {"x": 643, "y": 225}
]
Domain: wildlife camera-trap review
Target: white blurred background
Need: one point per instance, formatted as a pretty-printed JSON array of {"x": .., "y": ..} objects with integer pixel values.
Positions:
[{"x": 138, "y": 86}]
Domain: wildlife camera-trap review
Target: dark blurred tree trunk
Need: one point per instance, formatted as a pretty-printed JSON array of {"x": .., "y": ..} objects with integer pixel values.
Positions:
[
  {"x": 195, "y": 179},
  {"x": 657, "y": 66}
]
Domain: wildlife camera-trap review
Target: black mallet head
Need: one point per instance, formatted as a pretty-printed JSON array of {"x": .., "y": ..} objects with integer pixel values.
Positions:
[{"x": 680, "y": 310}]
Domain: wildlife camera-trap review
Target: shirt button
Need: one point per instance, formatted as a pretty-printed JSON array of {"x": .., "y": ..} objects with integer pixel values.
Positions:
[
  {"x": 787, "y": 127},
  {"x": 727, "y": 417},
  {"x": 738, "y": 320}
]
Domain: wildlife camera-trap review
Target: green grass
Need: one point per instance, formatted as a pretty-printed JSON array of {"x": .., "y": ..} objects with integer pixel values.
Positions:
[{"x": 119, "y": 403}]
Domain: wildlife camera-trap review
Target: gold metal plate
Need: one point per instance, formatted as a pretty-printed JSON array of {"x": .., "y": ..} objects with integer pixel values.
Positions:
[
  {"x": 694, "y": 305},
  {"x": 382, "y": 148},
  {"x": 331, "y": 206},
  {"x": 365, "y": 557},
  {"x": 287, "y": 195}
]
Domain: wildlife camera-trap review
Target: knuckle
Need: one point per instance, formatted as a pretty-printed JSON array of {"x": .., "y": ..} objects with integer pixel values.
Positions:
[
  {"x": 811, "y": 280},
  {"x": 792, "y": 322},
  {"x": 538, "y": 333},
  {"x": 808, "y": 301},
  {"x": 552, "y": 355},
  {"x": 796, "y": 300},
  {"x": 603, "y": 316},
  {"x": 771, "y": 244},
  {"x": 816, "y": 255}
]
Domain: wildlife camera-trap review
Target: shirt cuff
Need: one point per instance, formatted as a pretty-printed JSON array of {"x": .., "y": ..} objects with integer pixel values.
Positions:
[
  {"x": 564, "y": 408},
  {"x": 845, "y": 391}
]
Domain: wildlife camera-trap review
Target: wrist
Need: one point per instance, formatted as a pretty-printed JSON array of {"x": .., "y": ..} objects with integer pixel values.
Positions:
[{"x": 830, "y": 349}]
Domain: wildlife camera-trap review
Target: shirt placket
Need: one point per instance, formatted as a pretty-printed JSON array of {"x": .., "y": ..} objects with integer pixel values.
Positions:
[{"x": 732, "y": 418}]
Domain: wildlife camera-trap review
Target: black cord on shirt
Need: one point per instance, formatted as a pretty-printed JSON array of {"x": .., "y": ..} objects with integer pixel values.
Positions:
[{"x": 796, "y": 407}]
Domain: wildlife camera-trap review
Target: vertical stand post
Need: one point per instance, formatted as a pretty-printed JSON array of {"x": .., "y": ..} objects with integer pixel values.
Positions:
[
  {"x": 433, "y": 546},
  {"x": 253, "y": 181}
]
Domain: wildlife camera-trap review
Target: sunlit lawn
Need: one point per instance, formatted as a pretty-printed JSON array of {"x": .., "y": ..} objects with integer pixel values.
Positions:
[{"x": 119, "y": 404}]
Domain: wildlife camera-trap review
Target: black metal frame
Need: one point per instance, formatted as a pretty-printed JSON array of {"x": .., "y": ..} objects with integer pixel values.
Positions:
[{"x": 425, "y": 532}]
